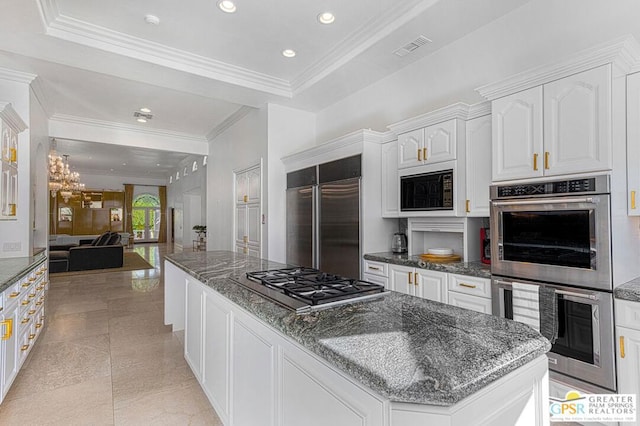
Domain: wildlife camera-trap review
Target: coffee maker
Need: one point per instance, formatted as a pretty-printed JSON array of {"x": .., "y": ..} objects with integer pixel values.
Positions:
[{"x": 399, "y": 243}]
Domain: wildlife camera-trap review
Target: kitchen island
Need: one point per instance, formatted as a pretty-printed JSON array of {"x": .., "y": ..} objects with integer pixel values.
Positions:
[{"x": 399, "y": 360}]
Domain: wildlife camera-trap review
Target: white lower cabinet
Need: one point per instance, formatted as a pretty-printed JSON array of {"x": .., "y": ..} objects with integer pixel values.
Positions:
[
  {"x": 418, "y": 282},
  {"x": 628, "y": 348},
  {"x": 469, "y": 292},
  {"x": 193, "y": 326},
  {"x": 216, "y": 354}
]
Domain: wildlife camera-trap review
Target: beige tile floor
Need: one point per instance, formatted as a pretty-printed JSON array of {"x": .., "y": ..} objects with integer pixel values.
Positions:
[{"x": 106, "y": 358}]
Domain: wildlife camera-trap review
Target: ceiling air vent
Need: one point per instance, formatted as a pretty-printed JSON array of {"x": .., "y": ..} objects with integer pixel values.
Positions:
[
  {"x": 138, "y": 114},
  {"x": 411, "y": 46}
]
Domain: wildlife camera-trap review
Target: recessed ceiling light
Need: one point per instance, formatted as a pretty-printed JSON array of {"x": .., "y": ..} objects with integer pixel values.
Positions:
[
  {"x": 158, "y": 164},
  {"x": 111, "y": 169},
  {"x": 151, "y": 19},
  {"x": 145, "y": 110},
  {"x": 141, "y": 120},
  {"x": 326, "y": 18},
  {"x": 227, "y": 6},
  {"x": 288, "y": 53},
  {"x": 124, "y": 164}
]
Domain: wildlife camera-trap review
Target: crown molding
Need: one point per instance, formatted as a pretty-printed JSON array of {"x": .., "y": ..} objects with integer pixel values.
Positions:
[
  {"x": 458, "y": 110},
  {"x": 479, "y": 110},
  {"x": 352, "y": 142},
  {"x": 359, "y": 41},
  {"x": 17, "y": 76},
  {"x": 238, "y": 115},
  {"x": 623, "y": 52},
  {"x": 72, "y": 119},
  {"x": 11, "y": 117},
  {"x": 81, "y": 32},
  {"x": 40, "y": 92}
]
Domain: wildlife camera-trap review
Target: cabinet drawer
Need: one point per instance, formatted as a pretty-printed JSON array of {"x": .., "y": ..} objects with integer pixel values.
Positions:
[
  {"x": 375, "y": 268},
  {"x": 470, "y": 285},
  {"x": 376, "y": 279},
  {"x": 474, "y": 303},
  {"x": 627, "y": 314}
]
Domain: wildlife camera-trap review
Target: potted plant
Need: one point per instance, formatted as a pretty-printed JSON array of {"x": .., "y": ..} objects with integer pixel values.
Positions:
[{"x": 201, "y": 230}]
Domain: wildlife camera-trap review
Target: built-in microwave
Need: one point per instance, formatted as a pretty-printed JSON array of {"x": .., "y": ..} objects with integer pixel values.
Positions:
[{"x": 427, "y": 191}]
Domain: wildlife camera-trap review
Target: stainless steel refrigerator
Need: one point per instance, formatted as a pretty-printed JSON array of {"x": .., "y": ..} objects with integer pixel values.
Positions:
[{"x": 323, "y": 217}]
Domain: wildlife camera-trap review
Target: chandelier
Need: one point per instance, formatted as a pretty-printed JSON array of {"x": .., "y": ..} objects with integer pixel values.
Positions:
[{"x": 61, "y": 179}]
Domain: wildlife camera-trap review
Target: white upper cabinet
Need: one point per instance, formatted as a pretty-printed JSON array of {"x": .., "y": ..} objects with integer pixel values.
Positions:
[
  {"x": 633, "y": 144},
  {"x": 431, "y": 144},
  {"x": 517, "y": 135},
  {"x": 478, "y": 150},
  {"x": 577, "y": 123},
  {"x": 390, "y": 182},
  {"x": 559, "y": 128}
]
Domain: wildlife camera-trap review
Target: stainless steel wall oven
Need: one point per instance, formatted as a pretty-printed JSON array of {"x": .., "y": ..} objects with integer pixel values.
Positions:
[{"x": 554, "y": 237}]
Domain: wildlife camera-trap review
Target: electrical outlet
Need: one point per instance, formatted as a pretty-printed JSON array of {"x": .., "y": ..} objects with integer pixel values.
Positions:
[{"x": 16, "y": 246}]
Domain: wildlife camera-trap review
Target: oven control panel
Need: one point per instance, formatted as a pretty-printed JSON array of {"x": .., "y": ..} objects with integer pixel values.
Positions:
[{"x": 590, "y": 185}]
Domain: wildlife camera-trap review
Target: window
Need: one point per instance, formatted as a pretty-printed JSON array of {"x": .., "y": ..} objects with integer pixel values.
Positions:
[
  {"x": 195, "y": 166},
  {"x": 145, "y": 217}
]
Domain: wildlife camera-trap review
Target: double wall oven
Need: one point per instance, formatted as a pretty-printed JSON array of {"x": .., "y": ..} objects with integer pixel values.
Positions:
[{"x": 556, "y": 236}]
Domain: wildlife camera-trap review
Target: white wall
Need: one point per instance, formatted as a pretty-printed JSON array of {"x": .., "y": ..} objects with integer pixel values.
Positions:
[
  {"x": 194, "y": 183},
  {"x": 540, "y": 32},
  {"x": 240, "y": 146},
  {"x": 39, "y": 193},
  {"x": 289, "y": 130},
  {"x": 20, "y": 229}
]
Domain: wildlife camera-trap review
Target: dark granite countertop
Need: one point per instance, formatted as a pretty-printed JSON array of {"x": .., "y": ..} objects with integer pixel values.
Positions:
[
  {"x": 475, "y": 269},
  {"x": 13, "y": 268},
  {"x": 628, "y": 291},
  {"x": 405, "y": 348}
]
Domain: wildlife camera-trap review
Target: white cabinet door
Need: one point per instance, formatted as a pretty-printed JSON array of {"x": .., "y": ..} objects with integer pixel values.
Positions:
[
  {"x": 216, "y": 359},
  {"x": 474, "y": 303},
  {"x": 253, "y": 224},
  {"x": 410, "y": 148},
  {"x": 401, "y": 279},
  {"x": 517, "y": 135},
  {"x": 253, "y": 185},
  {"x": 478, "y": 147},
  {"x": 431, "y": 285},
  {"x": 241, "y": 188},
  {"x": 390, "y": 181},
  {"x": 633, "y": 144},
  {"x": 241, "y": 224},
  {"x": 439, "y": 142},
  {"x": 9, "y": 364},
  {"x": 193, "y": 327},
  {"x": 254, "y": 363},
  {"x": 628, "y": 354},
  {"x": 577, "y": 123}
]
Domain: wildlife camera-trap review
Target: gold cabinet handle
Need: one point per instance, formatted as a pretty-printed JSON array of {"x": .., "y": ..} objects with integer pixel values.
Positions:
[
  {"x": 9, "y": 330},
  {"x": 244, "y": 250},
  {"x": 24, "y": 347},
  {"x": 24, "y": 302},
  {"x": 633, "y": 200},
  {"x": 535, "y": 162},
  {"x": 621, "y": 346},
  {"x": 466, "y": 285},
  {"x": 424, "y": 153},
  {"x": 25, "y": 285},
  {"x": 415, "y": 278},
  {"x": 419, "y": 154},
  {"x": 245, "y": 239},
  {"x": 31, "y": 312},
  {"x": 25, "y": 320},
  {"x": 14, "y": 294},
  {"x": 38, "y": 325},
  {"x": 38, "y": 303},
  {"x": 410, "y": 278},
  {"x": 468, "y": 206},
  {"x": 375, "y": 268},
  {"x": 245, "y": 198},
  {"x": 546, "y": 160},
  {"x": 32, "y": 336}
]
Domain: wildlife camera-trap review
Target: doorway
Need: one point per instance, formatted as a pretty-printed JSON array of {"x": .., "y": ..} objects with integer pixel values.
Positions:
[{"x": 146, "y": 218}]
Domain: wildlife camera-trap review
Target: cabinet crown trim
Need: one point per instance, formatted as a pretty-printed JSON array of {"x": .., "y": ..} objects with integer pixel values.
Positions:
[
  {"x": 17, "y": 76},
  {"x": 623, "y": 52},
  {"x": 11, "y": 117},
  {"x": 459, "y": 110}
]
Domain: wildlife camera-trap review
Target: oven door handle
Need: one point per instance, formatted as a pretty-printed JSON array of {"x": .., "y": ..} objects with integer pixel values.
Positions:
[
  {"x": 573, "y": 294},
  {"x": 589, "y": 200}
]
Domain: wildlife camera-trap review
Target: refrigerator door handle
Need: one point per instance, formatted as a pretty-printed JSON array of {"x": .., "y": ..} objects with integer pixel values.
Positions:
[{"x": 315, "y": 227}]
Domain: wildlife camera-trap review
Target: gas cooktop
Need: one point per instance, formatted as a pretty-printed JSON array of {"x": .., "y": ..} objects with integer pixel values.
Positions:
[{"x": 306, "y": 289}]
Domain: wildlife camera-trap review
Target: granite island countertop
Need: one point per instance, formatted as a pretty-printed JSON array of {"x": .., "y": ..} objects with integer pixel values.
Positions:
[
  {"x": 12, "y": 268},
  {"x": 405, "y": 348},
  {"x": 475, "y": 269},
  {"x": 628, "y": 291}
]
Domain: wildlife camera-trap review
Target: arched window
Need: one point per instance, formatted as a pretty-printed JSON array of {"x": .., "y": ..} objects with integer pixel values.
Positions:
[
  {"x": 145, "y": 217},
  {"x": 185, "y": 172},
  {"x": 204, "y": 161},
  {"x": 177, "y": 176},
  {"x": 195, "y": 166},
  {"x": 171, "y": 179}
]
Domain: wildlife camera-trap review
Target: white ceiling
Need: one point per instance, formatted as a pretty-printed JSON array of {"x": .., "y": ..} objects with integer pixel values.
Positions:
[{"x": 101, "y": 61}]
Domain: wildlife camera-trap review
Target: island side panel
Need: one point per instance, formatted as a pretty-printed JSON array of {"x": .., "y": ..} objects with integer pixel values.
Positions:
[{"x": 174, "y": 296}]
